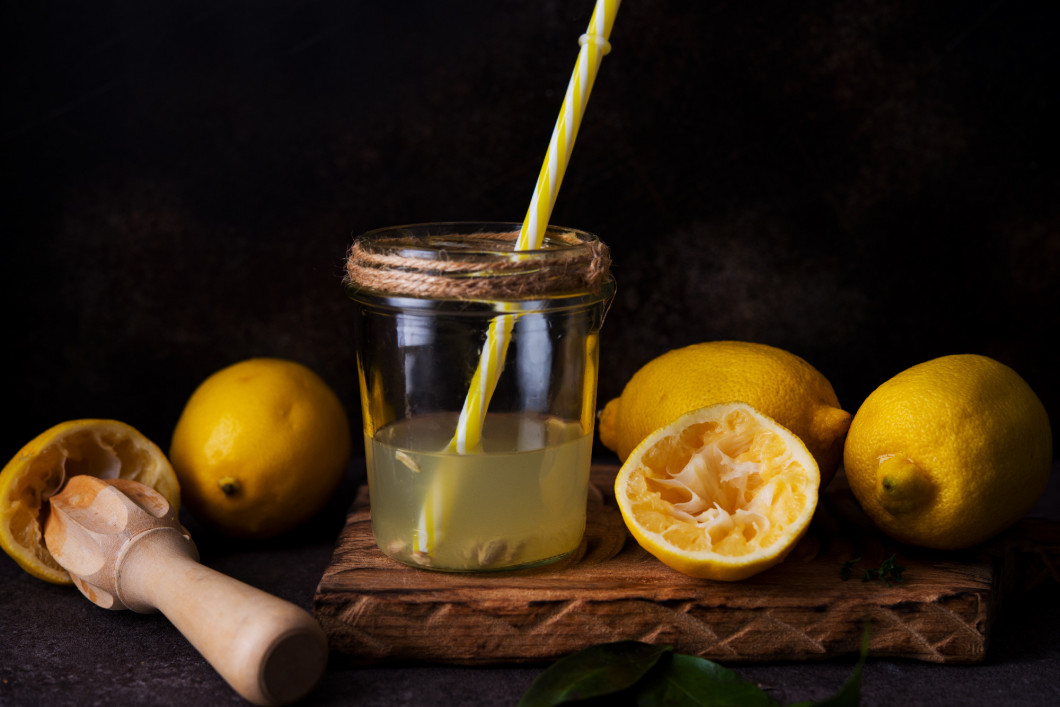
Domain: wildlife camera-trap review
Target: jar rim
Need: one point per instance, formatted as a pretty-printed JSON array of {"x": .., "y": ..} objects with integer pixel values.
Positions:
[
  {"x": 475, "y": 260},
  {"x": 436, "y": 235}
]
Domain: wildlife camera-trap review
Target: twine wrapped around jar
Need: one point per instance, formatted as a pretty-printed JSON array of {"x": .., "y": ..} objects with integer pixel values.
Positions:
[{"x": 477, "y": 266}]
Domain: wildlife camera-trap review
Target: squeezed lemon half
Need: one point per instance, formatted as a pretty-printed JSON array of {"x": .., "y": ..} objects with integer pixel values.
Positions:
[
  {"x": 721, "y": 493},
  {"x": 107, "y": 449}
]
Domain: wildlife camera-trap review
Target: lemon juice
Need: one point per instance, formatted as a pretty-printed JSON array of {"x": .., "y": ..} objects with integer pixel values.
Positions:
[{"x": 518, "y": 501}]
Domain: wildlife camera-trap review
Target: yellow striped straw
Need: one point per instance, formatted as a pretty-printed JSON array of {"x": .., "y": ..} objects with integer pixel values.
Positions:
[
  {"x": 467, "y": 438},
  {"x": 594, "y": 45}
]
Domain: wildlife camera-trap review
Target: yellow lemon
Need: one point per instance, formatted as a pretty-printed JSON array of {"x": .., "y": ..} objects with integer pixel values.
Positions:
[
  {"x": 775, "y": 382},
  {"x": 720, "y": 493},
  {"x": 260, "y": 447},
  {"x": 107, "y": 449},
  {"x": 950, "y": 452}
]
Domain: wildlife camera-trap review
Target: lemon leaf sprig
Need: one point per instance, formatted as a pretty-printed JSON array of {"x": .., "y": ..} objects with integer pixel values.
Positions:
[
  {"x": 888, "y": 571},
  {"x": 632, "y": 672}
]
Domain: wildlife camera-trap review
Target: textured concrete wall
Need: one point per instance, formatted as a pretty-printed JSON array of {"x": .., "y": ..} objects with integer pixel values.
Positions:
[{"x": 867, "y": 183}]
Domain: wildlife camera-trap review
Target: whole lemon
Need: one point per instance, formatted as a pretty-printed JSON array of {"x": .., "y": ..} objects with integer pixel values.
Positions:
[
  {"x": 950, "y": 452},
  {"x": 777, "y": 383},
  {"x": 260, "y": 447}
]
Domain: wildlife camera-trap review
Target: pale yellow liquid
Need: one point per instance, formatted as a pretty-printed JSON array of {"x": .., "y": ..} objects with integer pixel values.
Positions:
[{"x": 521, "y": 501}]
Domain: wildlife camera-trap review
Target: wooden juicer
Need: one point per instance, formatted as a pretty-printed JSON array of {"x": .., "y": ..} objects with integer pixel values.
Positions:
[{"x": 124, "y": 547}]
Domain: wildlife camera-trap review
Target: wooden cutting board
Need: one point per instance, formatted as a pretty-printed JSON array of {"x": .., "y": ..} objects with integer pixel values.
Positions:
[{"x": 375, "y": 609}]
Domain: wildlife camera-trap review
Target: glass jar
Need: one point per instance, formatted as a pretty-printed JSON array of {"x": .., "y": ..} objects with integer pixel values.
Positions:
[{"x": 477, "y": 367}]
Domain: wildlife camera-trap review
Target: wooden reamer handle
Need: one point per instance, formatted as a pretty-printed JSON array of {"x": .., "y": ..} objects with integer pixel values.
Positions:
[{"x": 125, "y": 548}]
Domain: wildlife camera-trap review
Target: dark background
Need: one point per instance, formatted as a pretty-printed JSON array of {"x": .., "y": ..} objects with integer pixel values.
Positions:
[{"x": 866, "y": 183}]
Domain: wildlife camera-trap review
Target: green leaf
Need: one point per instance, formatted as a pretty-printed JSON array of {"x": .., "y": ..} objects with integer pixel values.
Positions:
[
  {"x": 889, "y": 571},
  {"x": 688, "y": 681},
  {"x": 635, "y": 673},
  {"x": 592, "y": 672}
]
